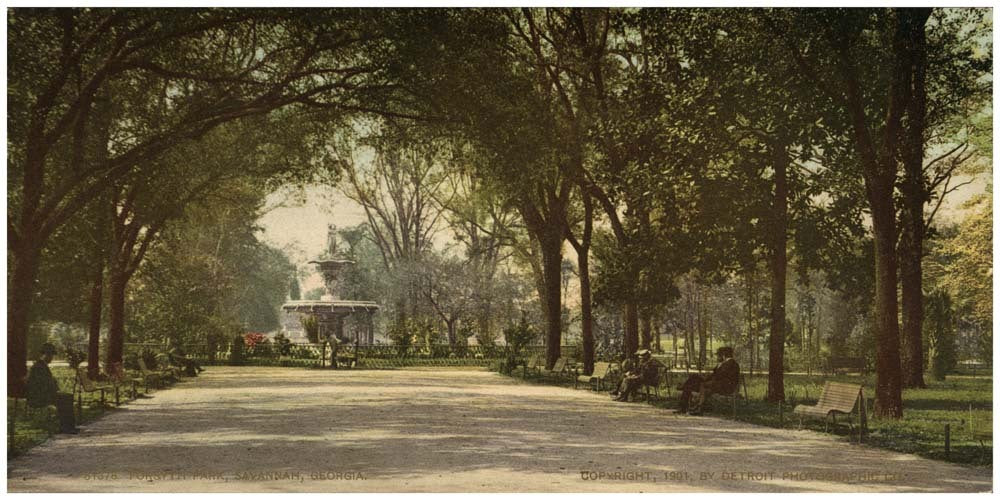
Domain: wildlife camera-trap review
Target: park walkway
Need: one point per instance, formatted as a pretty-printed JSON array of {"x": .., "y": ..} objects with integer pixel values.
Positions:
[{"x": 284, "y": 429}]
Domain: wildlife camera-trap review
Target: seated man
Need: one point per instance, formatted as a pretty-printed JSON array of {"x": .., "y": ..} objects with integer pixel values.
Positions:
[
  {"x": 646, "y": 373},
  {"x": 724, "y": 379},
  {"x": 42, "y": 390}
]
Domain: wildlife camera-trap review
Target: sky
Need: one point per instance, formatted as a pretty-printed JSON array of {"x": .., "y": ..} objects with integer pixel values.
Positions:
[{"x": 296, "y": 222}]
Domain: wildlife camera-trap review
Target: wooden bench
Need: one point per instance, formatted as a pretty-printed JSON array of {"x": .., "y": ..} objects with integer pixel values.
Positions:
[
  {"x": 535, "y": 363},
  {"x": 85, "y": 384},
  {"x": 558, "y": 368},
  {"x": 837, "y": 365},
  {"x": 662, "y": 374},
  {"x": 119, "y": 377},
  {"x": 348, "y": 355},
  {"x": 735, "y": 396},
  {"x": 157, "y": 376},
  {"x": 602, "y": 373},
  {"x": 837, "y": 398}
]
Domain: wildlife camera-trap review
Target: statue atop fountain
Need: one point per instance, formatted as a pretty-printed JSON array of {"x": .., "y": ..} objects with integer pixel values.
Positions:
[{"x": 331, "y": 266}]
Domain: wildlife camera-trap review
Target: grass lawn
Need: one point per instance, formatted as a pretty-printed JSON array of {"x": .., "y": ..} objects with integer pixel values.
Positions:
[
  {"x": 31, "y": 430},
  {"x": 964, "y": 402}
]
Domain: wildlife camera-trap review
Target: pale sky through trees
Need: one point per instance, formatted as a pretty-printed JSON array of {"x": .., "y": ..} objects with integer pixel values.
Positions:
[{"x": 300, "y": 228}]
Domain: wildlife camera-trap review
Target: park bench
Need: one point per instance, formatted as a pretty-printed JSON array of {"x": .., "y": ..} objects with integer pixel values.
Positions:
[
  {"x": 602, "y": 373},
  {"x": 156, "y": 376},
  {"x": 838, "y": 365},
  {"x": 163, "y": 360},
  {"x": 558, "y": 368},
  {"x": 535, "y": 363},
  {"x": 735, "y": 396},
  {"x": 119, "y": 378},
  {"x": 347, "y": 355},
  {"x": 662, "y": 376},
  {"x": 85, "y": 384},
  {"x": 837, "y": 398}
]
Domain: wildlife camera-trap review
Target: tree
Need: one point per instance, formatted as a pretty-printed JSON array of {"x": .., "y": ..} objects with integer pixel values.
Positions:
[
  {"x": 445, "y": 282},
  {"x": 946, "y": 90},
  {"x": 488, "y": 228},
  {"x": 874, "y": 105},
  {"x": 71, "y": 61},
  {"x": 396, "y": 189},
  {"x": 212, "y": 170},
  {"x": 940, "y": 326},
  {"x": 208, "y": 274},
  {"x": 294, "y": 293}
]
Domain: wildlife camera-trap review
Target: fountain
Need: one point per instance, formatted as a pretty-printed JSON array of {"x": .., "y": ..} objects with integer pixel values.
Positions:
[{"x": 330, "y": 310}]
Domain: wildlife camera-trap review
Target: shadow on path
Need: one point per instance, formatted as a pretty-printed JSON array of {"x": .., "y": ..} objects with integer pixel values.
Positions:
[{"x": 281, "y": 429}]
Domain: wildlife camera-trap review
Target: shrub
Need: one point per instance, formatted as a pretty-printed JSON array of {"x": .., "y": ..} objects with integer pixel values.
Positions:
[
  {"x": 939, "y": 326},
  {"x": 130, "y": 361},
  {"x": 311, "y": 325},
  {"x": 74, "y": 357},
  {"x": 253, "y": 338},
  {"x": 149, "y": 357},
  {"x": 518, "y": 337},
  {"x": 283, "y": 344}
]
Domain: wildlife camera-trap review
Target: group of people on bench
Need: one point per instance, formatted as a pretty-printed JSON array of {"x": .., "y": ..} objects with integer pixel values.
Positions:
[{"x": 724, "y": 379}]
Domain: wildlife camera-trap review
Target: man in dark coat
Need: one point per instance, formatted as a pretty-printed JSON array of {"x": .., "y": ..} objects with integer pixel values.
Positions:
[
  {"x": 43, "y": 390},
  {"x": 724, "y": 379},
  {"x": 646, "y": 373}
]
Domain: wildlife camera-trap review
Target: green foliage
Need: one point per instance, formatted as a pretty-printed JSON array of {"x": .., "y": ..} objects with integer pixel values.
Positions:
[
  {"x": 74, "y": 357},
  {"x": 401, "y": 335},
  {"x": 282, "y": 344},
  {"x": 149, "y": 357},
  {"x": 293, "y": 290},
  {"x": 38, "y": 335},
  {"x": 518, "y": 336},
  {"x": 311, "y": 326},
  {"x": 939, "y": 328},
  {"x": 210, "y": 273}
]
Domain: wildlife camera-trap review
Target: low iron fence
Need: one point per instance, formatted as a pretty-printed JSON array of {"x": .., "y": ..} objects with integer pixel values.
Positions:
[{"x": 366, "y": 356}]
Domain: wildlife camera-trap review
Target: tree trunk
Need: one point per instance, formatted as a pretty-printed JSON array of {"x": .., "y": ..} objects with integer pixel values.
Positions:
[
  {"x": 551, "y": 247},
  {"x": 888, "y": 383},
  {"x": 779, "y": 267},
  {"x": 910, "y": 255},
  {"x": 586, "y": 312},
  {"x": 751, "y": 350},
  {"x": 657, "y": 332},
  {"x": 452, "y": 337},
  {"x": 96, "y": 307},
  {"x": 702, "y": 338},
  {"x": 117, "y": 283},
  {"x": 914, "y": 197},
  {"x": 21, "y": 290},
  {"x": 647, "y": 329},
  {"x": 631, "y": 343}
]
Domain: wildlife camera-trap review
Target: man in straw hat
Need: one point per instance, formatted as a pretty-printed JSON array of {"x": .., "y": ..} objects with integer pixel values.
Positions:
[{"x": 644, "y": 374}]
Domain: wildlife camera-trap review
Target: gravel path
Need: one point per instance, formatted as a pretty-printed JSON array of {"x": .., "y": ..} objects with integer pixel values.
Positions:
[{"x": 284, "y": 429}]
